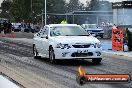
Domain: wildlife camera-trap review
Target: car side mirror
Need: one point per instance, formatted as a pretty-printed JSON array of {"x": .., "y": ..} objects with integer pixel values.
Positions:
[
  {"x": 42, "y": 37},
  {"x": 46, "y": 37}
]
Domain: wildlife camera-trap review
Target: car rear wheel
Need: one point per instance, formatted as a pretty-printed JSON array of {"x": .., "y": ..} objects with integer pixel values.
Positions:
[
  {"x": 35, "y": 53},
  {"x": 52, "y": 56},
  {"x": 97, "y": 60}
]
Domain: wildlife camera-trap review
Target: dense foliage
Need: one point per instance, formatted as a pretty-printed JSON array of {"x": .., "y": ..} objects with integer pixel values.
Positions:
[{"x": 30, "y": 10}]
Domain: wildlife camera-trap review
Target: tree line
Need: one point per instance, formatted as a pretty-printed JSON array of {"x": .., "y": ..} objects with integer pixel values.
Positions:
[{"x": 30, "y": 10}]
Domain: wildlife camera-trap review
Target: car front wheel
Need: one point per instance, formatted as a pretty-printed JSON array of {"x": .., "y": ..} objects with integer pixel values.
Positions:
[
  {"x": 51, "y": 56},
  {"x": 35, "y": 53}
]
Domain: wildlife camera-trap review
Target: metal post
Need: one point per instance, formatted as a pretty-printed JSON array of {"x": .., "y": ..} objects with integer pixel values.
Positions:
[
  {"x": 42, "y": 19},
  {"x": 97, "y": 20},
  {"x": 117, "y": 16},
  {"x": 45, "y": 13},
  {"x": 123, "y": 16},
  {"x": 31, "y": 5},
  {"x": 66, "y": 17},
  {"x": 73, "y": 18},
  {"x": 31, "y": 10}
]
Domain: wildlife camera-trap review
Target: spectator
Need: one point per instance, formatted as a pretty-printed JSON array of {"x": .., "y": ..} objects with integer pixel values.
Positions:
[
  {"x": 5, "y": 24},
  {"x": 22, "y": 26},
  {"x": 64, "y": 21},
  {"x": 0, "y": 28},
  {"x": 9, "y": 26}
]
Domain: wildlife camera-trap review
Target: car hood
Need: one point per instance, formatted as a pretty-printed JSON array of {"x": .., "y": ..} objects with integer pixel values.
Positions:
[{"x": 75, "y": 39}]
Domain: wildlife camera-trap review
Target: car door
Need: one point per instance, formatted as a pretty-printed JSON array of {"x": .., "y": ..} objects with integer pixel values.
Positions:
[
  {"x": 37, "y": 41},
  {"x": 44, "y": 42}
]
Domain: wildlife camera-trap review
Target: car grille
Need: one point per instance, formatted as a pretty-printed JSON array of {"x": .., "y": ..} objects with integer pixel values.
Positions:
[
  {"x": 81, "y": 46},
  {"x": 82, "y": 54}
]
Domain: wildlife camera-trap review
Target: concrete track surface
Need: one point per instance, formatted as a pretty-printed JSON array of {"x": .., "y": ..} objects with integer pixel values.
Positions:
[{"x": 17, "y": 62}]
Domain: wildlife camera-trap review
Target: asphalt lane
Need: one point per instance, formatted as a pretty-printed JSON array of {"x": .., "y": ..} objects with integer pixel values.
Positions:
[{"x": 64, "y": 72}]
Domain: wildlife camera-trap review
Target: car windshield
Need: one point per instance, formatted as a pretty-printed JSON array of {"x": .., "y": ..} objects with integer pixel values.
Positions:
[
  {"x": 92, "y": 26},
  {"x": 68, "y": 31}
]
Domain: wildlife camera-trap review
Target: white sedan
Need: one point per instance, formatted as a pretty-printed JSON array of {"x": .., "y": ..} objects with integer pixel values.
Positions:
[{"x": 66, "y": 41}]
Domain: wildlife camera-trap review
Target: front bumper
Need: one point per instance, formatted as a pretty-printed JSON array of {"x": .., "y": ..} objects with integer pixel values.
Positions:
[
  {"x": 71, "y": 53},
  {"x": 97, "y": 33}
]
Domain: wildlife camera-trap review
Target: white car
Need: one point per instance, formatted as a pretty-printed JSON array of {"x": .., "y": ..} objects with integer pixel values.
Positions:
[{"x": 66, "y": 41}]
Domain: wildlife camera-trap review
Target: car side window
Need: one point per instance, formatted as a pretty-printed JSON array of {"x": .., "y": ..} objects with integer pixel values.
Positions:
[
  {"x": 45, "y": 32},
  {"x": 39, "y": 33}
]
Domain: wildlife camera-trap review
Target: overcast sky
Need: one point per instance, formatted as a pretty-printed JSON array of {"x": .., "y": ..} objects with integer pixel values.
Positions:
[{"x": 1, "y": 2}]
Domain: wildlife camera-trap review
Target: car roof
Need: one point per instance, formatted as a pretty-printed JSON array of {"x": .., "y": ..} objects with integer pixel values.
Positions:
[
  {"x": 89, "y": 24},
  {"x": 51, "y": 25}
]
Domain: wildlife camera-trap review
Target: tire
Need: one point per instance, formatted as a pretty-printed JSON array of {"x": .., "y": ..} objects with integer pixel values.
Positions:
[
  {"x": 97, "y": 60},
  {"x": 101, "y": 36},
  {"x": 35, "y": 53},
  {"x": 52, "y": 56}
]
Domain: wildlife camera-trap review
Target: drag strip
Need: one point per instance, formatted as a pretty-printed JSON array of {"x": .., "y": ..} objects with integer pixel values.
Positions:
[
  {"x": 16, "y": 49},
  {"x": 18, "y": 55}
]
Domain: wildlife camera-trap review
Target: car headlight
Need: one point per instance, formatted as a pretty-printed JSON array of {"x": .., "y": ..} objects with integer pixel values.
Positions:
[
  {"x": 62, "y": 46},
  {"x": 98, "y": 45}
]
